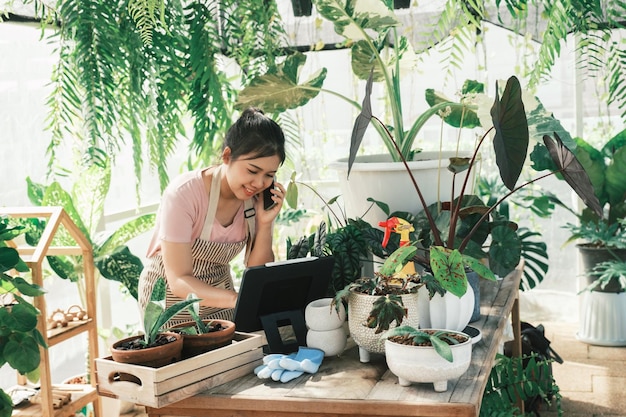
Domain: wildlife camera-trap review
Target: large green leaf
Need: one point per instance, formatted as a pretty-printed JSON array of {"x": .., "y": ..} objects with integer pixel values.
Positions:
[
  {"x": 129, "y": 230},
  {"x": 279, "y": 89},
  {"x": 363, "y": 61},
  {"x": 459, "y": 116},
  {"x": 21, "y": 318},
  {"x": 22, "y": 352},
  {"x": 361, "y": 122},
  {"x": 616, "y": 170},
  {"x": 6, "y": 404},
  {"x": 542, "y": 122},
  {"x": 55, "y": 195},
  {"x": 89, "y": 193},
  {"x": 26, "y": 288},
  {"x": 9, "y": 257},
  {"x": 385, "y": 310},
  {"x": 511, "y": 139},
  {"x": 352, "y": 17},
  {"x": 397, "y": 260},
  {"x": 573, "y": 172},
  {"x": 122, "y": 266},
  {"x": 449, "y": 269},
  {"x": 505, "y": 250}
]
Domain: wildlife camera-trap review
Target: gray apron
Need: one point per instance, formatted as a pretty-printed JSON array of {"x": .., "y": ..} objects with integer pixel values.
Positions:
[{"x": 211, "y": 261}]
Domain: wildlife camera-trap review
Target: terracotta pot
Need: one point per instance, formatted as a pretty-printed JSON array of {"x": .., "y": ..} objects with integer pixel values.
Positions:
[
  {"x": 196, "y": 344},
  {"x": 423, "y": 364},
  {"x": 154, "y": 357}
]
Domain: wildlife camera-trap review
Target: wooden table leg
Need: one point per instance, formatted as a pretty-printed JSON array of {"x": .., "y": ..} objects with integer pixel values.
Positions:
[{"x": 517, "y": 339}]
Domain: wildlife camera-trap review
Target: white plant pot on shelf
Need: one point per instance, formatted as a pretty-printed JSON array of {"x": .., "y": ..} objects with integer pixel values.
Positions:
[
  {"x": 359, "y": 307},
  {"x": 447, "y": 312},
  {"x": 423, "y": 364},
  {"x": 378, "y": 177},
  {"x": 603, "y": 319},
  {"x": 325, "y": 326}
]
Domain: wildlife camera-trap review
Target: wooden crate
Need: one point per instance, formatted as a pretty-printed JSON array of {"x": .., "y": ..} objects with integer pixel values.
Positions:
[{"x": 158, "y": 387}]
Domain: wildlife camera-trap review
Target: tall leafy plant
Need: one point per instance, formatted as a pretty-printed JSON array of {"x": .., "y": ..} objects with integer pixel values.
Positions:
[
  {"x": 443, "y": 254},
  {"x": 19, "y": 338},
  {"x": 84, "y": 203}
]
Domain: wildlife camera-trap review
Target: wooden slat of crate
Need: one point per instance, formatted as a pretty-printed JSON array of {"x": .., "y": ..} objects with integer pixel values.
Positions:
[{"x": 162, "y": 386}]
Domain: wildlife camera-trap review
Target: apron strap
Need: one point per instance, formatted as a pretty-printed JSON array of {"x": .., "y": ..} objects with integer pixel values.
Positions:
[
  {"x": 250, "y": 216},
  {"x": 248, "y": 212}
]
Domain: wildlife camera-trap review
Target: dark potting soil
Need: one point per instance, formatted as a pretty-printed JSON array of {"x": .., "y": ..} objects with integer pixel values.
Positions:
[
  {"x": 216, "y": 327},
  {"x": 408, "y": 340},
  {"x": 137, "y": 344}
]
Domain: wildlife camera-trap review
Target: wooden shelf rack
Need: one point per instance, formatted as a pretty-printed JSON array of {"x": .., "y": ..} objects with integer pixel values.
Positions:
[{"x": 57, "y": 219}]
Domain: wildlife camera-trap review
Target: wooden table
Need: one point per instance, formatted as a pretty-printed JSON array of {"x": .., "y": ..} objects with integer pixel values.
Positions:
[{"x": 345, "y": 387}]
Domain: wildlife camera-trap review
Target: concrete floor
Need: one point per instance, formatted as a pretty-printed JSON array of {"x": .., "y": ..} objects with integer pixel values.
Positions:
[{"x": 592, "y": 379}]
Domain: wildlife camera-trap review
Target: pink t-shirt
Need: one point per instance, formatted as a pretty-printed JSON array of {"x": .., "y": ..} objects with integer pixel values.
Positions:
[{"x": 182, "y": 213}]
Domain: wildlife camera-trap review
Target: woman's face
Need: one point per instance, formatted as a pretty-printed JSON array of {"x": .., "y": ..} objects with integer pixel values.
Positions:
[{"x": 248, "y": 177}]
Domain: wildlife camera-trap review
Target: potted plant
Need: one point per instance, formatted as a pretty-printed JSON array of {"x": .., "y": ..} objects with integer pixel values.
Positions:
[
  {"x": 20, "y": 339},
  {"x": 156, "y": 347},
  {"x": 201, "y": 336},
  {"x": 602, "y": 322},
  {"x": 600, "y": 235},
  {"x": 445, "y": 256},
  {"x": 349, "y": 240},
  {"x": 427, "y": 355},
  {"x": 376, "y": 302}
]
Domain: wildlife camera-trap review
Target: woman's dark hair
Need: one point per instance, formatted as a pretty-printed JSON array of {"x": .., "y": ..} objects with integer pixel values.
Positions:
[{"x": 256, "y": 134}]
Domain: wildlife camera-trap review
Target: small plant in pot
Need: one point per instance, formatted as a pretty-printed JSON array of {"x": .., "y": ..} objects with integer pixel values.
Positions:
[
  {"x": 427, "y": 355},
  {"x": 201, "y": 336},
  {"x": 156, "y": 347},
  {"x": 375, "y": 303}
]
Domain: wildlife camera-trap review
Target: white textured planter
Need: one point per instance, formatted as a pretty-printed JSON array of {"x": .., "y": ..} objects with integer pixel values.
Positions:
[
  {"x": 447, "y": 312},
  {"x": 325, "y": 326},
  {"x": 423, "y": 364},
  {"x": 378, "y": 177},
  {"x": 603, "y": 319},
  {"x": 332, "y": 342},
  {"x": 359, "y": 307},
  {"x": 319, "y": 315}
]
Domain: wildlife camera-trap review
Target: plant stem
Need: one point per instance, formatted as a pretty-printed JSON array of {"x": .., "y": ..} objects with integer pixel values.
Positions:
[
  {"x": 431, "y": 221},
  {"x": 493, "y": 207}
]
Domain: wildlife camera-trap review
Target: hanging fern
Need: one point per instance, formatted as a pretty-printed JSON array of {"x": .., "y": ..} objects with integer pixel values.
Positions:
[
  {"x": 143, "y": 12},
  {"x": 617, "y": 83}
]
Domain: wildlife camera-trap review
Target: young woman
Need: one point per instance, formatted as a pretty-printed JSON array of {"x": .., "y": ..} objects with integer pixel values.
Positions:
[{"x": 209, "y": 215}]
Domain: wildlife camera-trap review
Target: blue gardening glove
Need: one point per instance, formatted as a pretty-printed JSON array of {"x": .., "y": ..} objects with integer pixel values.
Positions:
[
  {"x": 271, "y": 366},
  {"x": 306, "y": 360}
]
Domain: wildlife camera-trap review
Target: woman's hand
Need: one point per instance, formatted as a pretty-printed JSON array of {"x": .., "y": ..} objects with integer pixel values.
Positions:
[{"x": 265, "y": 217}]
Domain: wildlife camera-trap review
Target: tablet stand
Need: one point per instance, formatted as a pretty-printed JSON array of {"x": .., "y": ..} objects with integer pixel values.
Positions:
[{"x": 271, "y": 324}]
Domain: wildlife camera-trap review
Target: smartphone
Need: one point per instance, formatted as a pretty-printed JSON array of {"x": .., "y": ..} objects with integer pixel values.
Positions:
[{"x": 268, "y": 203}]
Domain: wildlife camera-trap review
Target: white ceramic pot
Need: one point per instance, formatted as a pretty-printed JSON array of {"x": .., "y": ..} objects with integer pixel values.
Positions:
[
  {"x": 603, "y": 318},
  {"x": 320, "y": 315},
  {"x": 359, "y": 307},
  {"x": 371, "y": 176},
  {"x": 332, "y": 342},
  {"x": 325, "y": 326},
  {"x": 447, "y": 312},
  {"x": 423, "y": 363}
]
